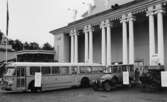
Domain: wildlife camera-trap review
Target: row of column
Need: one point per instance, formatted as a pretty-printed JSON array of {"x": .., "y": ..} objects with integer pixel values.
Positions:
[
  {"x": 74, "y": 46},
  {"x": 151, "y": 13},
  {"x": 106, "y": 42},
  {"x": 128, "y": 19},
  {"x": 127, "y": 43},
  {"x": 88, "y": 44}
]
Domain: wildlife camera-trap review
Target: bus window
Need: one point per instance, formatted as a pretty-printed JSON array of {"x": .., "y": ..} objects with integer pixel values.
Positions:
[
  {"x": 85, "y": 70},
  {"x": 119, "y": 69},
  {"x": 131, "y": 68},
  {"x": 114, "y": 69},
  {"x": 73, "y": 70},
  {"x": 34, "y": 69},
  {"x": 124, "y": 68},
  {"x": 97, "y": 69},
  {"x": 45, "y": 70},
  {"x": 64, "y": 70},
  {"x": 10, "y": 71},
  {"x": 55, "y": 70}
]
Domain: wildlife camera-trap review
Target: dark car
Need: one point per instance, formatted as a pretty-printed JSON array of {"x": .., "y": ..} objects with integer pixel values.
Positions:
[
  {"x": 113, "y": 77},
  {"x": 151, "y": 78}
]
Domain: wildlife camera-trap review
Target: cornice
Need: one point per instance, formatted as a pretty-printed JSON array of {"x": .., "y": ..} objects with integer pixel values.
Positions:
[{"x": 96, "y": 19}]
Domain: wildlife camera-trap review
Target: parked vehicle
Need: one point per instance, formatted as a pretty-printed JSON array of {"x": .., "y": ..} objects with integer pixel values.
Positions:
[
  {"x": 20, "y": 76},
  {"x": 113, "y": 77},
  {"x": 151, "y": 78}
]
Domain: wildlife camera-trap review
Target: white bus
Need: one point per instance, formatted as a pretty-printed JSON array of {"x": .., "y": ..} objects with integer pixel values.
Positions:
[{"x": 20, "y": 76}]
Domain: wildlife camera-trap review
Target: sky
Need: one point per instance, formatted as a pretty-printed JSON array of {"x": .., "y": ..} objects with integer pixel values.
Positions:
[{"x": 31, "y": 20}]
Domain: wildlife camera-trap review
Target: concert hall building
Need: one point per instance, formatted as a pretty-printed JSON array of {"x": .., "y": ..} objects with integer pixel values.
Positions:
[{"x": 128, "y": 33}]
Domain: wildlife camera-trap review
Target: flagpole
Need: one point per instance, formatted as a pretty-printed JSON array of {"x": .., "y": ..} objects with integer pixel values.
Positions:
[
  {"x": 6, "y": 49},
  {"x": 7, "y": 28}
]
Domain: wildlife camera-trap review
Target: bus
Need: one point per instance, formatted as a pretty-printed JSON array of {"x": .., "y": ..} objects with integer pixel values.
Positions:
[{"x": 20, "y": 76}]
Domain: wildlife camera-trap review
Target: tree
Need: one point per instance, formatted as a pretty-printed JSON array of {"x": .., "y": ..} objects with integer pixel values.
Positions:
[
  {"x": 47, "y": 46},
  {"x": 18, "y": 45},
  {"x": 1, "y": 36},
  {"x": 26, "y": 46},
  {"x": 34, "y": 46},
  {"x": 11, "y": 42}
]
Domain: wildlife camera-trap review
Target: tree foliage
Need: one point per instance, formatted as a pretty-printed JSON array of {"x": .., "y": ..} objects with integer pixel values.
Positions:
[
  {"x": 1, "y": 35},
  {"x": 17, "y": 45},
  {"x": 34, "y": 46},
  {"x": 47, "y": 46}
]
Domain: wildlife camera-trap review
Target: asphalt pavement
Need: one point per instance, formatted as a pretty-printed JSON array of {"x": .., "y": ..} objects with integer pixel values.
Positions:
[{"x": 85, "y": 95}]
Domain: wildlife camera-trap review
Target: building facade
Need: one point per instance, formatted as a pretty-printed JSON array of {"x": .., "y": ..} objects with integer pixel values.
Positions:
[{"x": 135, "y": 31}]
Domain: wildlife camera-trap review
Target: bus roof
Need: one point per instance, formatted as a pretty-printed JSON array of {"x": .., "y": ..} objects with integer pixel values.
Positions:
[{"x": 51, "y": 64}]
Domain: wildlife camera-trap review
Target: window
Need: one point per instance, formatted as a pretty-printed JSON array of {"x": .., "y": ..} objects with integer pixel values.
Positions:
[
  {"x": 34, "y": 69},
  {"x": 124, "y": 68},
  {"x": 73, "y": 70},
  {"x": 20, "y": 71},
  {"x": 64, "y": 70},
  {"x": 85, "y": 70},
  {"x": 114, "y": 69},
  {"x": 131, "y": 68},
  {"x": 97, "y": 69},
  {"x": 55, "y": 70},
  {"x": 45, "y": 70}
]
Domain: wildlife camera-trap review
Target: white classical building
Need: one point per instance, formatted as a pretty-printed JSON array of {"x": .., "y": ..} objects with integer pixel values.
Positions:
[{"x": 131, "y": 32}]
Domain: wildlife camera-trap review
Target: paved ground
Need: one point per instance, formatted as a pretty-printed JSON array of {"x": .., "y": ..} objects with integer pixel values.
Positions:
[{"x": 85, "y": 95}]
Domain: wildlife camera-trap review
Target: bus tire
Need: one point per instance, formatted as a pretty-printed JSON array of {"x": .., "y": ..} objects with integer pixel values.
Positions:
[
  {"x": 85, "y": 82},
  {"x": 95, "y": 87},
  {"x": 106, "y": 86}
]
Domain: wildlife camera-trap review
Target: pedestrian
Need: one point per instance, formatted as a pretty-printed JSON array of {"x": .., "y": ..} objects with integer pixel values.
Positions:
[{"x": 137, "y": 73}]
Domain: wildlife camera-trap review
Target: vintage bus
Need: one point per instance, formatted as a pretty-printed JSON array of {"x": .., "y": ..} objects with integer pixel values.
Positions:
[{"x": 20, "y": 76}]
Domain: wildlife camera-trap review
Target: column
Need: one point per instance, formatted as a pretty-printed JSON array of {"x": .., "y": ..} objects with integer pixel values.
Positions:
[
  {"x": 72, "y": 47},
  {"x": 90, "y": 44},
  {"x": 160, "y": 33},
  {"x": 150, "y": 13},
  {"x": 86, "y": 44},
  {"x": 124, "y": 43},
  {"x": 108, "y": 42},
  {"x": 131, "y": 39},
  {"x": 76, "y": 47},
  {"x": 103, "y": 45}
]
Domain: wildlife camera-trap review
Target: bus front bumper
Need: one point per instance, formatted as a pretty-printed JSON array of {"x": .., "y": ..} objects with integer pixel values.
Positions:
[{"x": 6, "y": 86}]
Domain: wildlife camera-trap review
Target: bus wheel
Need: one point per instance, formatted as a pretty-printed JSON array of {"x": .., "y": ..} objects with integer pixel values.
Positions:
[
  {"x": 107, "y": 87},
  {"x": 95, "y": 87},
  {"x": 85, "y": 83}
]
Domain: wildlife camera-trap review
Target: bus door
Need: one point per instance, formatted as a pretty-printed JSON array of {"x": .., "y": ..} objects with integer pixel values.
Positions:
[{"x": 21, "y": 78}]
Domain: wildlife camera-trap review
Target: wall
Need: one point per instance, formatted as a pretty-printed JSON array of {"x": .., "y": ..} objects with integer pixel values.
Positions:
[
  {"x": 97, "y": 47},
  {"x": 81, "y": 48},
  {"x": 59, "y": 47}
]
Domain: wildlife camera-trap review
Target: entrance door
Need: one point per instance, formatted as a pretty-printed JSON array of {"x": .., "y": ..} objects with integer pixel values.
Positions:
[{"x": 21, "y": 78}]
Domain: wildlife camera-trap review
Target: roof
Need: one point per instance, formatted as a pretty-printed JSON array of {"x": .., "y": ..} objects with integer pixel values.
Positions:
[
  {"x": 50, "y": 64},
  {"x": 35, "y": 52},
  {"x": 130, "y": 6}
]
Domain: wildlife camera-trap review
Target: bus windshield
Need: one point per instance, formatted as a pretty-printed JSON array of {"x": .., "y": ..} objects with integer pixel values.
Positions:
[{"x": 10, "y": 72}]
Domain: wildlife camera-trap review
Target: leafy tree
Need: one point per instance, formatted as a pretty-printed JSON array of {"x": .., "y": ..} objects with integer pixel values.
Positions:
[
  {"x": 47, "y": 46},
  {"x": 11, "y": 42},
  {"x": 18, "y": 45},
  {"x": 34, "y": 46},
  {"x": 1, "y": 35},
  {"x": 26, "y": 46}
]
